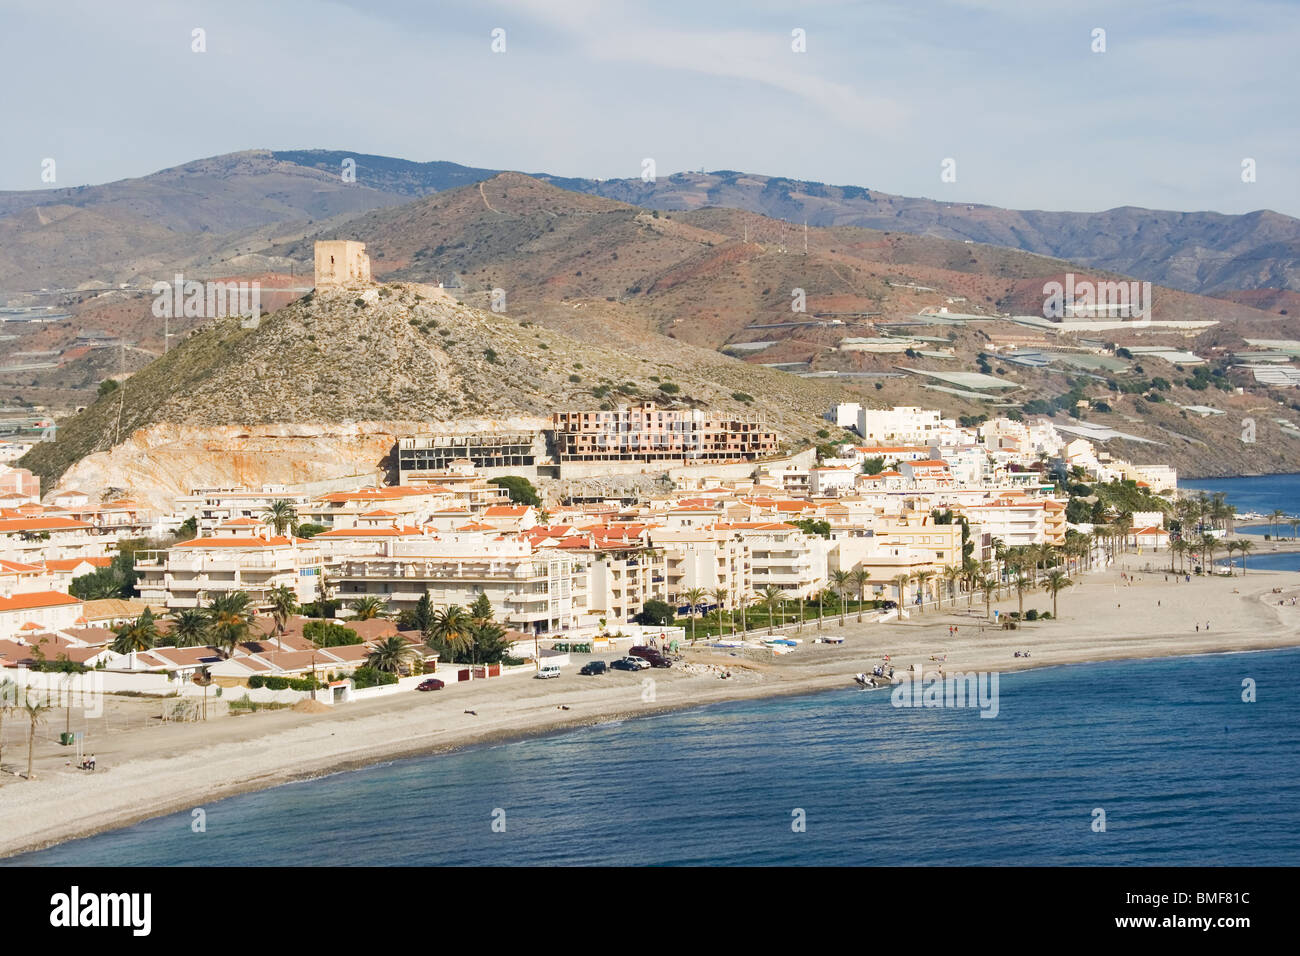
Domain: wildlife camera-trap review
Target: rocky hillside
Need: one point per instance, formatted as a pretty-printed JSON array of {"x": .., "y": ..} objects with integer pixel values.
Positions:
[
  {"x": 711, "y": 276},
  {"x": 334, "y": 361}
]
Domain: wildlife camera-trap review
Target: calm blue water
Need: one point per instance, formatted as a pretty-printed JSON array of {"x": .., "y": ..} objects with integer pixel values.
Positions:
[
  {"x": 1260, "y": 494},
  {"x": 1186, "y": 772},
  {"x": 1263, "y": 561}
]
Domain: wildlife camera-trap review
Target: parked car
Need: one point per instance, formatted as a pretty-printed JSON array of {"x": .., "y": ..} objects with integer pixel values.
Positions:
[
  {"x": 548, "y": 670},
  {"x": 629, "y": 664},
  {"x": 650, "y": 654},
  {"x": 431, "y": 684},
  {"x": 592, "y": 668}
]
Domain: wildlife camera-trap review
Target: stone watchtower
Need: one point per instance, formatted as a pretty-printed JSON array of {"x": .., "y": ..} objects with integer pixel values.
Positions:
[{"x": 342, "y": 262}]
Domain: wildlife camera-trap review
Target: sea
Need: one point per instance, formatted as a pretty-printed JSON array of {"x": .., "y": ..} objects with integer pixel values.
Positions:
[
  {"x": 1258, "y": 494},
  {"x": 1192, "y": 760}
]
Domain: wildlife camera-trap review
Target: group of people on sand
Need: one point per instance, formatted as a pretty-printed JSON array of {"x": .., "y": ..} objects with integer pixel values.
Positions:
[
  {"x": 87, "y": 763},
  {"x": 1022, "y": 653}
]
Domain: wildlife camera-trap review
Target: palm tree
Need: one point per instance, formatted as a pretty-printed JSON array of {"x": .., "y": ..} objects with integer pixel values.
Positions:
[
  {"x": 744, "y": 600},
  {"x": 772, "y": 598},
  {"x": 720, "y": 599},
  {"x": 282, "y": 516},
  {"x": 901, "y": 581},
  {"x": 1123, "y": 525},
  {"x": 138, "y": 635},
  {"x": 451, "y": 628},
  {"x": 35, "y": 714},
  {"x": 284, "y": 605},
  {"x": 230, "y": 621},
  {"x": 1023, "y": 584},
  {"x": 190, "y": 627},
  {"x": 989, "y": 586},
  {"x": 842, "y": 580},
  {"x": 923, "y": 579},
  {"x": 694, "y": 597},
  {"x": 1231, "y": 548},
  {"x": 1277, "y": 515},
  {"x": 368, "y": 608},
  {"x": 951, "y": 575},
  {"x": 8, "y": 702},
  {"x": 1245, "y": 547},
  {"x": 860, "y": 578},
  {"x": 971, "y": 571},
  {"x": 1056, "y": 583},
  {"x": 1208, "y": 544},
  {"x": 390, "y": 655}
]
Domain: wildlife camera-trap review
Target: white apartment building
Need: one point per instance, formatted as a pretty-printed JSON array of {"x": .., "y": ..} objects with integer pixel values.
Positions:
[
  {"x": 623, "y": 570},
  {"x": 32, "y": 540},
  {"x": 827, "y": 480},
  {"x": 1019, "y": 521},
  {"x": 240, "y": 556},
  {"x": 782, "y": 556},
  {"x": 541, "y": 591},
  {"x": 708, "y": 558},
  {"x": 212, "y": 507},
  {"x": 906, "y": 424},
  {"x": 844, "y": 415},
  {"x": 34, "y": 611}
]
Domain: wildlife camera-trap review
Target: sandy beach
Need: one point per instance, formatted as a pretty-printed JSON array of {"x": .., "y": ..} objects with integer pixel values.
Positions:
[{"x": 147, "y": 768}]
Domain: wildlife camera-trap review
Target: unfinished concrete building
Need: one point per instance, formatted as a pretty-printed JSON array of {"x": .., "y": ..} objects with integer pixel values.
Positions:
[{"x": 647, "y": 433}]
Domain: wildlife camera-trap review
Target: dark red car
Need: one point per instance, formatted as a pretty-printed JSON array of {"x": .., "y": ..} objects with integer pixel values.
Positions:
[
  {"x": 650, "y": 654},
  {"x": 431, "y": 684}
]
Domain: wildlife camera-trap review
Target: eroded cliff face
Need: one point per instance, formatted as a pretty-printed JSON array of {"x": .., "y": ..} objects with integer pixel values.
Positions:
[{"x": 160, "y": 462}]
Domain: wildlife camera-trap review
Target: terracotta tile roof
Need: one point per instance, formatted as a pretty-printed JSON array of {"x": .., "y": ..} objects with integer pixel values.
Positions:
[
  {"x": 236, "y": 541},
  {"x": 506, "y": 511},
  {"x": 15, "y": 525},
  {"x": 37, "y": 599}
]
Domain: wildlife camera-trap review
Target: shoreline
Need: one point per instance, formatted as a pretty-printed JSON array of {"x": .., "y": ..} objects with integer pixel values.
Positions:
[{"x": 179, "y": 767}]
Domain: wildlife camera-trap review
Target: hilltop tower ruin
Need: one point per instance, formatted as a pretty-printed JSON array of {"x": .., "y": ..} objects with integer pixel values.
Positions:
[{"x": 341, "y": 262}]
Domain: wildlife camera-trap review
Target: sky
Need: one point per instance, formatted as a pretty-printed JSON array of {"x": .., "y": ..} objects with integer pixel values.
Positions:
[{"x": 1022, "y": 102}]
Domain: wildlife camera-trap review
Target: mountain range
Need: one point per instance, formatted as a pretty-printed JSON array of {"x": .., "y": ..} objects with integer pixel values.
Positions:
[{"x": 225, "y": 209}]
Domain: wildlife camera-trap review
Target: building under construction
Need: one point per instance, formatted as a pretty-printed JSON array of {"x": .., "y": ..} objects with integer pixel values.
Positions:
[
  {"x": 488, "y": 452},
  {"x": 647, "y": 433}
]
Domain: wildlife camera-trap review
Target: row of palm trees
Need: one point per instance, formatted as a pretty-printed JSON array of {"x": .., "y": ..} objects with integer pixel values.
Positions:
[{"x": 1181, "y": 549}]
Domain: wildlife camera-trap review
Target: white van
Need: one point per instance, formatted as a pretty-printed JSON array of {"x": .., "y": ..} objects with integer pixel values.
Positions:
[{"x": 548, "y": 670}]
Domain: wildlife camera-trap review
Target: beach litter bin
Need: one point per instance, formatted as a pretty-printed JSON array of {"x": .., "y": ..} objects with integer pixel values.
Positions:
[{"x": 67, "y": 740}]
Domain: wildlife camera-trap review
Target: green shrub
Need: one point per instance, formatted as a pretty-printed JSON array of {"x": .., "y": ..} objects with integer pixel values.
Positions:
[
  {"x": 256, "y": 681},
  {"x": 369, "y": 677},
  {"x": 1031, "y": 615},
  {"x": 277, "y": 683},
  {"x": 330, "y": 634}
]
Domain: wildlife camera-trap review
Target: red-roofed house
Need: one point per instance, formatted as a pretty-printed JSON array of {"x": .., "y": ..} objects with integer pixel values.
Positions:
[{"x": 46, "y": 610}]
